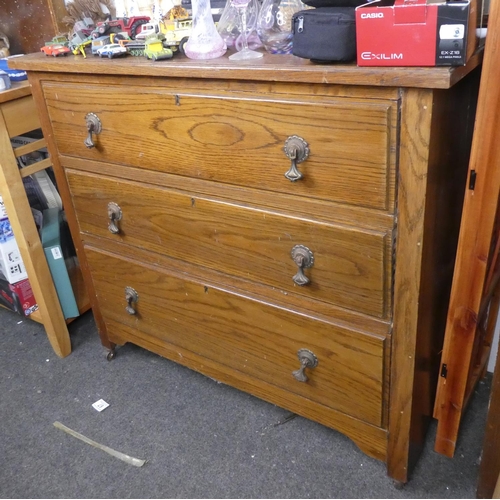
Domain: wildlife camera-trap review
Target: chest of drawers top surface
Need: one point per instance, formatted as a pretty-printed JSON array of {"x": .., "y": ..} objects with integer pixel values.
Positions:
[{"x": 285, "y": 68}]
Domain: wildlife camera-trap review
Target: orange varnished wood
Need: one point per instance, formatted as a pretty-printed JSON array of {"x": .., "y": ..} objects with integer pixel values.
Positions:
[
  {"x": 286, "y": 68},
  {"x": 350, "y": 265},
  {"x": 172, "y": 146},
  {"x": 370, "y": 439},
  {"x": 474, "y": 252},
  {"x": 257, "y": 291},
  {"x": 236, "y": 138},
  {"x": 18, "y": 115},
  {"x": 246, "y": 335}
]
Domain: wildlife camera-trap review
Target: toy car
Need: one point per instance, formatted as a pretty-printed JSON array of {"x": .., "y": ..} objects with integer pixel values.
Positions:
[
  {"x": 155, "y": 50},
  {"x": 112, "y": 50},
  {"x": 129, "y": 25},
  {"x": 55, "y": 50}
]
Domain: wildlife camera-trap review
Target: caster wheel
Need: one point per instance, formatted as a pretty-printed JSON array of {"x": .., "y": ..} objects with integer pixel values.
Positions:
[{"x": 111, "y": 355}]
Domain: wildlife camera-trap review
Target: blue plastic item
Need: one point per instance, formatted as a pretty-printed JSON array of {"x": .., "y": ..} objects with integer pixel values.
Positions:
[{"x": 15, "y": 75}]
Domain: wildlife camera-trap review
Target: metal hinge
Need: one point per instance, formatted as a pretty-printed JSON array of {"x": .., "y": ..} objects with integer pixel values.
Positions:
[
  {"x": 472, "y": 180},
  {"x": 444, "y": 371}
]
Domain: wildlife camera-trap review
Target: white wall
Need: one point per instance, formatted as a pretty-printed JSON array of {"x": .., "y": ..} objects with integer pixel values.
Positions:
[{"x": 494, "y": 347}]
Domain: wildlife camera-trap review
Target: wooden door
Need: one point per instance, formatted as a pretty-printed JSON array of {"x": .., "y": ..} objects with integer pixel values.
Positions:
[{"x": 475, "y": 298}]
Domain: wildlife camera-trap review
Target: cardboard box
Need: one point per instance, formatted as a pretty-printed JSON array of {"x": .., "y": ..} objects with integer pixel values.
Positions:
[
  {"x": 18, "y": 297},
  {"x": 11, "y": 262},
  {"x": 3, "y": 212},
  {"x": 415, "y": 32}
]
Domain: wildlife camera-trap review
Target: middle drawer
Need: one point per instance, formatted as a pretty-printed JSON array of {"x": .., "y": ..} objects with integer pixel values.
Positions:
[{"x": 344, "y": 266}]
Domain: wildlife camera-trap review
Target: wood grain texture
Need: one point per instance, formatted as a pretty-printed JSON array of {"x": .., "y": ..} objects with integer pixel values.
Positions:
[
  {"x": 479, "y": 212},
  {"x": 19, "y": 116},
  {"x": 326, "y": 312},
  {"x": 18, "y": 119},
  {"x": 370, "y": 439},
  {"x": 414, "y": 154},
  {"x": 251, "y": 337},
  {"x": 301, "y": 207},
  {"x": 350, "y": 265},
  {"x": 17, "y": 90},
  {"x": 286, "y": 68},
  {"x": 236, "y": 138},
  {"x": 163, "y": 169}
]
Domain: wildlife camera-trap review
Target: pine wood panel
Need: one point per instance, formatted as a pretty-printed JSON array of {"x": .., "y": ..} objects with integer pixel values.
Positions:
[
  {"x": 257, "y": 339},
  {"x": 18, "y": 116},
  {"x": 235, "y": 139},
  {"x": 474, "y": 252},
  {"x": 350, "y": 265}
]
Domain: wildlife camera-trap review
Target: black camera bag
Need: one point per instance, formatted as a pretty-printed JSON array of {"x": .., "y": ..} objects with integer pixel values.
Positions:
[{"x": 325, "y": 34}]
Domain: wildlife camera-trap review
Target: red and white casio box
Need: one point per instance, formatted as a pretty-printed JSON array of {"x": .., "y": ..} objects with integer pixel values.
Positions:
[{"x": 415, "y": 32}]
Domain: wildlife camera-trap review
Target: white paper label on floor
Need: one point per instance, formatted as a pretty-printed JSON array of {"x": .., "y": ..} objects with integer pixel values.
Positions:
[
  {"x": 100, "y": 405},
  {"x": 56, "y": 253}
]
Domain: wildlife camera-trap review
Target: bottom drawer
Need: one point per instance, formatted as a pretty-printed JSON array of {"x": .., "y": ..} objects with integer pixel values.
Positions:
[{"x": 246, "y": 335}]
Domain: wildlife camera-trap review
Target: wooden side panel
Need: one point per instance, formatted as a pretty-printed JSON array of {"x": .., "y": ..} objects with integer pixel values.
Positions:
[
  {"x": 473, "y": 257},
  {"x": 416, "y": 115}
]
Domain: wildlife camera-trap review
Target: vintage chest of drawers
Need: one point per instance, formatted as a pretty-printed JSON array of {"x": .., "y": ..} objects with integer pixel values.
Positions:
[{"x": 285, "y": 228}]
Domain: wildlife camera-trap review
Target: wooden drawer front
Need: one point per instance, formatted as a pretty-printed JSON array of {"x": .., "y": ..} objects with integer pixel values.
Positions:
[
  {"x": 350, "y": 266},
  {"x": 246, "y": 335},
  {"x": 237, "y": 140}
]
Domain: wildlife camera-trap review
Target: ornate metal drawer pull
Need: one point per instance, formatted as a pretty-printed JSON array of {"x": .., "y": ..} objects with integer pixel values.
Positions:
[
  {"x": 131, "y": 296},
  {"x": 307, "y": 360},
  {"x": 93, "y": 126},
  {"x": 304, "y": 259},
  {"x": 114, "y": 215},
  {"x": 297, "y": 150}
]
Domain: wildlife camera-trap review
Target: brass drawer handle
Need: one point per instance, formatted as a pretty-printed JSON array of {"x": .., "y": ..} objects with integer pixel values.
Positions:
[
  {"x": 297, "y": 150},
  {"x": 93, "y": 126},
  {"x": 307, "y": 360},
  {"x": 114, "y": 215},
  {"x": 131, "y": 296},
  {"x": 304, "y": 259}
]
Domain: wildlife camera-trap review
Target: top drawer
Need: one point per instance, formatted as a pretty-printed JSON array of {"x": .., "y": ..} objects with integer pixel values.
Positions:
[{"x": 236, "y": 138}]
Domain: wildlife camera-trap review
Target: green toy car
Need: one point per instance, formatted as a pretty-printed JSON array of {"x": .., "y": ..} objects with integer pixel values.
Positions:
[{"x": 155, "y": 50}]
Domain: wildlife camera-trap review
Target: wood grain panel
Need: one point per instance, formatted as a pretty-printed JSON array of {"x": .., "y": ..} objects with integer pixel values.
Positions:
[
  {"x": 285, "y": 68},
  {"x": 371, "y": 439},
  {"x": 19, "y": 116},
  {"x": 235, "y": 139},
  {"x": 251, "y": 337},
  {"x": 350, "y": 265}
]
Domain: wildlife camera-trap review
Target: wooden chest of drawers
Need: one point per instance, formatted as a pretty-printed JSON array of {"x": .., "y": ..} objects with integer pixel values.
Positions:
[{"x": 285, "y": 228}]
